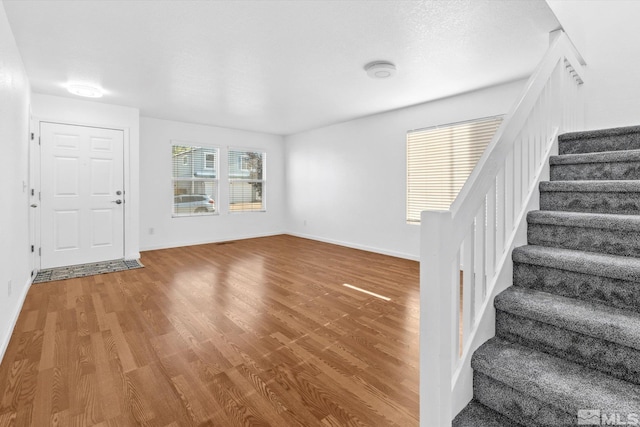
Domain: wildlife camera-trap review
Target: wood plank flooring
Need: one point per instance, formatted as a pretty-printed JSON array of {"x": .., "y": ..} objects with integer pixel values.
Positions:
[{"x": 257, "y": 332}]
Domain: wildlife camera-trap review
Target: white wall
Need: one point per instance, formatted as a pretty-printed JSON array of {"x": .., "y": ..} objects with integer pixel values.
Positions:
[
  {"x": 346, "y": 183},
  {"x": 76, "y": 111},
  {"x": 156, "y": 191},
  {"x": 606, "y": 32},
  {"x": 14, "y": 174}
]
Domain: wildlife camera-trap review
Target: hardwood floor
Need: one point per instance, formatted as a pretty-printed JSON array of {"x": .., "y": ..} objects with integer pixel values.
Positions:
[{"x": 247, "y": 333}]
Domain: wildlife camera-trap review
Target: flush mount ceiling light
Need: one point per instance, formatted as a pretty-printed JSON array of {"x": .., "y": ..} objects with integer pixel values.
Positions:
[
  {"x": 380, "y": 69},
  {"x": 85, "y": 90}
]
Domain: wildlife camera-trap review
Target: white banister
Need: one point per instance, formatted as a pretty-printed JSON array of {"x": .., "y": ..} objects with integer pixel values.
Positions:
[
  {"x": 465, "y": 251},
  {"x": 436, "y": 362}
]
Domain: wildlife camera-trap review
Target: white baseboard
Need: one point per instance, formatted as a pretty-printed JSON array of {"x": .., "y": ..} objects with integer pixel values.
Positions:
[
  {"x": 208, "y": 241},
  {"x": 357, "y": 246},
  {"x": 304, "y": 236},
  {"x": 16, "y": 315}
]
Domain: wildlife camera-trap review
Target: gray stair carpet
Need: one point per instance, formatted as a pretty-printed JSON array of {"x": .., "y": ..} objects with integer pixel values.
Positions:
[
  {"x": 567, "y": 345},
  {"x": 595, "y": 141},
  {"x": 610, "y": 196},
  {"x": 605, "y": 233},
  {"x": 608, "y": 165}
]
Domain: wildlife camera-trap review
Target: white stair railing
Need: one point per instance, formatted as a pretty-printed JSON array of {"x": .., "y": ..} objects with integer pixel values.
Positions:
[{"x": 466, "y": 251}]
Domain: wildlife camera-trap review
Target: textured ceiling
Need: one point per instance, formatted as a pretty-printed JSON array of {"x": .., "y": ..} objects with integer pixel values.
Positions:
[{"x": 276, "y": 66}]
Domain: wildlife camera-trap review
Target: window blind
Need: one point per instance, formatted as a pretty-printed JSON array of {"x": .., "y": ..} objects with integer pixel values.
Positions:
[{"x": 439, "y": 161}]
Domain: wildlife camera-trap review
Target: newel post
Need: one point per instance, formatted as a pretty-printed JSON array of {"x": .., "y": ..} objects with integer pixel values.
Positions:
[{"x": 436, "y": 302}]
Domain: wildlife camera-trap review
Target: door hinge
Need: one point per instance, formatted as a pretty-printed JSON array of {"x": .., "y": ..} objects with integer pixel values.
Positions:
[
  {"x": 33, "y": 192},
  {"x": 33, "y": 249},
  {"x": 39, "y": 251},
  {"x": 40, "y": 195},
  {"x": 33, "y": 136},
  {"x": 39, "y": 141}
]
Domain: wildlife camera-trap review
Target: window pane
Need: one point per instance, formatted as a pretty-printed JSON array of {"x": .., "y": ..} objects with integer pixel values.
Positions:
[
  {"x": 246, "y": 196},
  {"x": 194, "y": 162},
  {"x": 195, "y": 180},
  {"x": 246, "y": 165},
  {"x": 194, "y": 197}
]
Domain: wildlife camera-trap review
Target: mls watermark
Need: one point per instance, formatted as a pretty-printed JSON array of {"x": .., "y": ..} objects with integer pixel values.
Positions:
[{"x": 596, "y": 417}]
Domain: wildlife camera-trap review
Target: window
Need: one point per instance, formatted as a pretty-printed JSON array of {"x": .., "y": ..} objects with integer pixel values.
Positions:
[
  {"x": 244, "y": 163},
  {"x": 439, "y": 161},
  {"x": 194, "y": 180},
  {"x": 246, "y": 181},
  {"x": 209, "y": 161}
]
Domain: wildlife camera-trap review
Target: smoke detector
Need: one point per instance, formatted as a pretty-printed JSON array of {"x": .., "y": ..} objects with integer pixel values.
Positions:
[{"x": 380, "y": 69}]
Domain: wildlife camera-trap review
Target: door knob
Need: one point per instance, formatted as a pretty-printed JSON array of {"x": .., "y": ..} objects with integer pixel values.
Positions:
[
  {"x": 34, "y": 205},
  {"x": 117, "y": 202}
]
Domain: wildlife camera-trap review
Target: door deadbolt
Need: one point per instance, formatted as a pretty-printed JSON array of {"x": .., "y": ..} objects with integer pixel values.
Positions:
[{"x": 118, "y": 192}]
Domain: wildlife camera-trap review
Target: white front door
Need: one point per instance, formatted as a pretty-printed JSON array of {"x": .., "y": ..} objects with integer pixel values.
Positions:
[{"x": 82, "y": 185}]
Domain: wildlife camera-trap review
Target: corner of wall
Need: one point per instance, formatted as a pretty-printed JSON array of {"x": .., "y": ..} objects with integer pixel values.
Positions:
[{"x": 15, "y": 100}]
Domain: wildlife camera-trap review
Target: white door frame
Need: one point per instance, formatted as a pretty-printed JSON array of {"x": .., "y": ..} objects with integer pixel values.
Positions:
[
  {"x": 36, "y": 185},
  {"x": 34, "y": 196}
]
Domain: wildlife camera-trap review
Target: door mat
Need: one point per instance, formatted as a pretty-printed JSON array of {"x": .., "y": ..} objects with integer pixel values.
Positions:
[{"x": 83, "y": 270}]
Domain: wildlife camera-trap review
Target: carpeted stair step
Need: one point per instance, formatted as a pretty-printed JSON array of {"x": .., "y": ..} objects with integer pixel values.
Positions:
[
  {"x": 477, "y": 415},
  {"x": 614, "y": 197},
  {"x": 609, "y": 165},
  {"x": 609, "y": 279},
  {"x": 615, "y": 139},
  {"x": 536, "y": 389},
  {"x": 590, "y": 334},
  {"x": 605, "y": 233}
]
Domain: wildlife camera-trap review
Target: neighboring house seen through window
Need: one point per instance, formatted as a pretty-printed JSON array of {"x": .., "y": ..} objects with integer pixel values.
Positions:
[
  {"x": 247, "y": 180},
  {"x": 195, "y": 180}
]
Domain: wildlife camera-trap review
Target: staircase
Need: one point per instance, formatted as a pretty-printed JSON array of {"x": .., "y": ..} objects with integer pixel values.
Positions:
[{"x": 568, "y": 331}]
